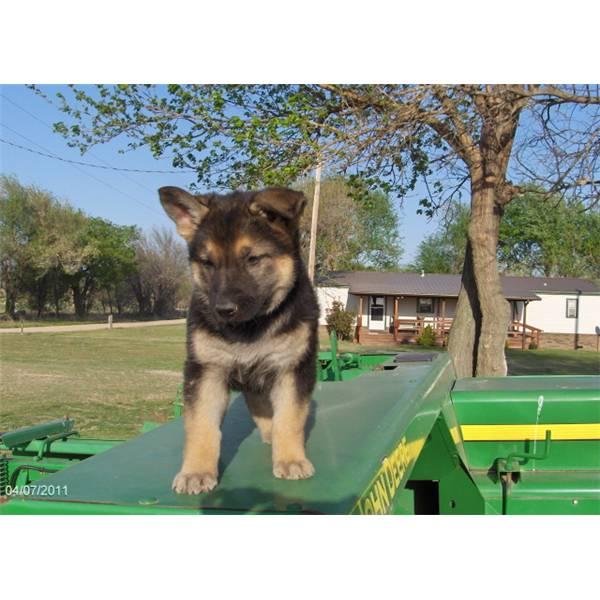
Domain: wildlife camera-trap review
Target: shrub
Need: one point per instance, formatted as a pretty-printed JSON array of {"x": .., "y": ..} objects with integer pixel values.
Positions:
[
  {"x": 533, "y": 346},
  {"x": 340, "y": 320},
  {"x": 427, "y": 338}
]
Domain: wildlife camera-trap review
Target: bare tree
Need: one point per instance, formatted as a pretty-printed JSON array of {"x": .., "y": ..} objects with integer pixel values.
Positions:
[{"x": 162, "y": 272}]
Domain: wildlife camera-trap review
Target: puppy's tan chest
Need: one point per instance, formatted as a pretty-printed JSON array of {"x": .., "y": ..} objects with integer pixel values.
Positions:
[{"x": 280, "y": 351}]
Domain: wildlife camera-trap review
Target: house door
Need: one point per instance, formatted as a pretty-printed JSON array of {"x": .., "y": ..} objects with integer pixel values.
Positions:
[{"x": 377, "y": 313}]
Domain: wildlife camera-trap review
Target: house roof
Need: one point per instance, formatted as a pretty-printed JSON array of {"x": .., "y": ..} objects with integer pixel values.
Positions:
[
  {"x": 553, "y": 284},
  {"x": 415, "y": 284}
]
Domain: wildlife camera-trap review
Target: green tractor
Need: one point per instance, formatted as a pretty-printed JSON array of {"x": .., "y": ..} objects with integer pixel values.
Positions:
[{"x": 388, "y": 434}]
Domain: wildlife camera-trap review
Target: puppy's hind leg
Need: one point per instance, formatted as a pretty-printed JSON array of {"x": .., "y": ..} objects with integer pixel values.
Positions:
[
  {"x": 205, "y": 404},
  {"x": 261, "y": 410}
]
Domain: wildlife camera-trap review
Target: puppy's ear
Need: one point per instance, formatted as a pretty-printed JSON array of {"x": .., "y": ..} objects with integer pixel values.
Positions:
[
  {"x": 185, "y": 209},
  {"x": 278, "y": 202}
]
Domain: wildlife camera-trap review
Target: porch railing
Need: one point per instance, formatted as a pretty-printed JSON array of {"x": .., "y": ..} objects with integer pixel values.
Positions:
[
  {"x": 526, "y": 334},
  {"x": 413, "y": 328},
  {"x": 519, "y": 334}
]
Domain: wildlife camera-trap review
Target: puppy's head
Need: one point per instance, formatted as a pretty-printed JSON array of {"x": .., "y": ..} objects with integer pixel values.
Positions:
[{"x": 243, "y": 248}]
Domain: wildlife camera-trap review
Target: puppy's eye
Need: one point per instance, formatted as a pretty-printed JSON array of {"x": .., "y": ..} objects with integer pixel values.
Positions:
[
  {"x": 206, "y": 262},
  {"x": 255, "y": 259}
]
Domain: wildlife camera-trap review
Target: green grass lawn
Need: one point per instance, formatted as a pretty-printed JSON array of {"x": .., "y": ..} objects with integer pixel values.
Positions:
[
  {"x": 110, "y": 382},
  {"x": 527, "y": 362},
  {"x": 553, "y": 362}
]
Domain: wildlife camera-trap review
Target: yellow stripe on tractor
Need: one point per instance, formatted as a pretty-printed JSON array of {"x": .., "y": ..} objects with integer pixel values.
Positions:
[{"x": 559, "y": 431}]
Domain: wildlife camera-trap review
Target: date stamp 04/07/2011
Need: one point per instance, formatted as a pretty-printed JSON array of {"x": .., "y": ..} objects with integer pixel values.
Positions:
[{"x": 37, "y": 489}]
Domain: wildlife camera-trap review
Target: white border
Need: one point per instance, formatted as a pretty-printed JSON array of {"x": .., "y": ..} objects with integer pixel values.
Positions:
[
  {"x": 310, "y": 41},
  {"x": 299, "y": 558}
]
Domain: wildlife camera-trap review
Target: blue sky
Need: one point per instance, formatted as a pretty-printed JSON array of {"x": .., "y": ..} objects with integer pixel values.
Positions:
[{"x": 123, "y": 198}]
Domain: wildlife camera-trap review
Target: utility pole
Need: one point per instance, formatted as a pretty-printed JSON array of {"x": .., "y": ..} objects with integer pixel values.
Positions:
[{"x": 312, "y": 252}]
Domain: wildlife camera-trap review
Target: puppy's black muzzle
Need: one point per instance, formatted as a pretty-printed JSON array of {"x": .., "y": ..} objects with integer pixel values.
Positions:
[{"x": 227, "y": 310}]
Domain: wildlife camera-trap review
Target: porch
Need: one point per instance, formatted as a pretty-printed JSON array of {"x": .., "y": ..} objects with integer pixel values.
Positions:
[{"x": 385, "y": 320}]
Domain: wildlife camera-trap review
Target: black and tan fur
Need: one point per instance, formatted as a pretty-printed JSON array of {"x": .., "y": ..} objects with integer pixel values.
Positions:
[{"x": 252, "y": 326}]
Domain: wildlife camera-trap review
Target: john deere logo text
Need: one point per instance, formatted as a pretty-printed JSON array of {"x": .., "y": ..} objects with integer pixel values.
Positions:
[{"x": 378, "y": 498}]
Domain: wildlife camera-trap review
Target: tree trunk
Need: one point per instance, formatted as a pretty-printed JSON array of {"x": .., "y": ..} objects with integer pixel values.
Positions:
[
  {"x": 466, "y": 327},
  {"x": 78, "y": 301},
  {"x": 9, "y": 281},
  {"x": 141, "y": 298},
  {"x": 478, "y": 336},
  {"x": 88, "y": 293},
  {"x": 83, "y": 296},
  {"x": 495, "y": 310},
  {"x": 56, "y": 299},
  {"x": 10, "y": 303},
  {"x": 41, "y": 294}
]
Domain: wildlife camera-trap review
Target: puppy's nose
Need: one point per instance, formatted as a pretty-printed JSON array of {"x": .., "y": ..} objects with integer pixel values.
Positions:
[{"x": 226, "y": 310}]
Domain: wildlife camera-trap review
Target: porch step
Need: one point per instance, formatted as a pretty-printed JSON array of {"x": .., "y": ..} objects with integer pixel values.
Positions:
[
  {"x": 516, "y": 343},
  {"x": 376, "y": 337},
  {"x": 377, "y": 333},
  {"x": 383, "y": 338}
]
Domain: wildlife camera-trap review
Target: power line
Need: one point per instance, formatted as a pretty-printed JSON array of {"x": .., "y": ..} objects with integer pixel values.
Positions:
[
  {"x": 48, "y": 126},
  {"x": 75, "y": 167},
  {"x": 85, "y": 164}
]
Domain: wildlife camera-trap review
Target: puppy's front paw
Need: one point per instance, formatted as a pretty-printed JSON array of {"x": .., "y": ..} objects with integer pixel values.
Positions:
[
  {"x": 266, "y": 437},
  {"x": 295, "y": 469},
  {"x": 194, "y": 483}
]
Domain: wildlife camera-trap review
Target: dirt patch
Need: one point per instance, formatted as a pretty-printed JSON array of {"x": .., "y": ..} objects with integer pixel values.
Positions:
[
  {"x": 164, "y": 373},
  {"x": 21, "y": 374}
]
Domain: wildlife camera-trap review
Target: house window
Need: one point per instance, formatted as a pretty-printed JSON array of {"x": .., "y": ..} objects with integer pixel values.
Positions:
[
  {"x": 377, "y": 306},
  {"x": 425, "y": 305},
  {"x": 572, "y": 306}
]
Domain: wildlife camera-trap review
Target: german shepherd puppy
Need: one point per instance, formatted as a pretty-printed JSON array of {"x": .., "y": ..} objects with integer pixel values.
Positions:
[{"x": 252, "y": 326}]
